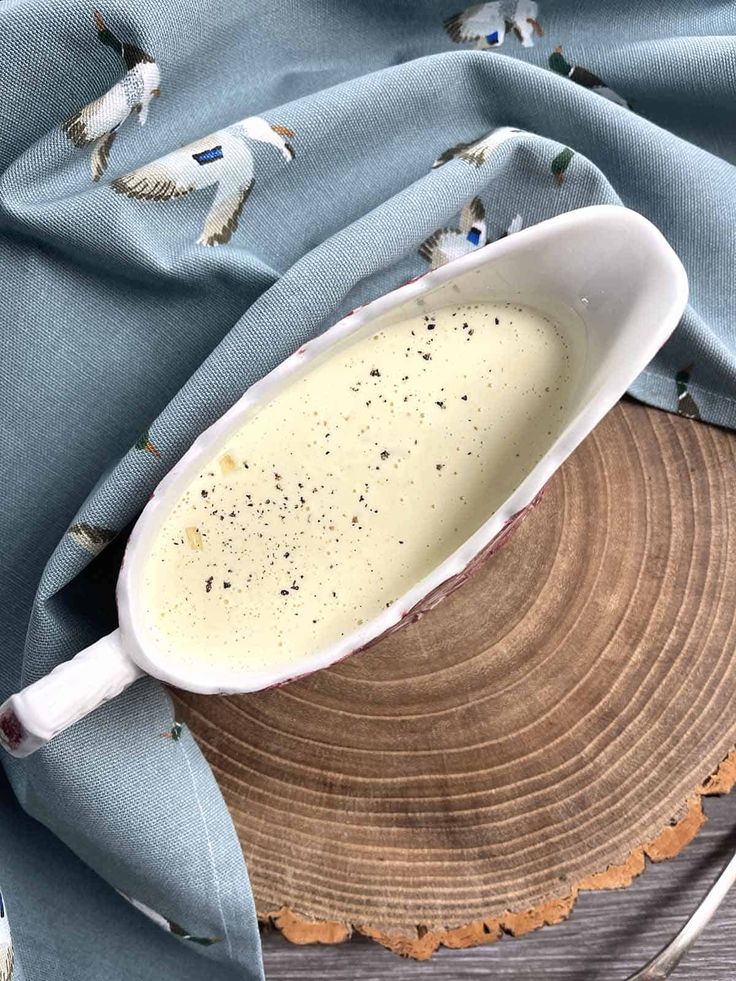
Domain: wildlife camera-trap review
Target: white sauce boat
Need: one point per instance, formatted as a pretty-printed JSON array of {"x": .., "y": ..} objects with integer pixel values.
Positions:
[{"x": 604, "y": 268}]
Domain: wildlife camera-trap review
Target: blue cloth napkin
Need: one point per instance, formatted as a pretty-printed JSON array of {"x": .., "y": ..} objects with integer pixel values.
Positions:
[{"x": 188, "y": 191}]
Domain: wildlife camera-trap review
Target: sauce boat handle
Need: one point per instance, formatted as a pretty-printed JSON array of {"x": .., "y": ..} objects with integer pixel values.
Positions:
[{"x": 35, "y": 715}]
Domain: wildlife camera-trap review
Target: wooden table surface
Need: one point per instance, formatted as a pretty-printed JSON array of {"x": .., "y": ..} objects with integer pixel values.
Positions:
[
  {"x": 544, "y": 721},
  {"x": 609, "y": 935}
]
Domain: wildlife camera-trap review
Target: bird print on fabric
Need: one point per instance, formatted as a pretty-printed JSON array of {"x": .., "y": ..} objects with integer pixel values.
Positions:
[
  {"x": 558, "y": 63},
  {"x": 144, "y": 443},
  {"x": 223, "y": 160},
  {"x": 92, "y": 538},
  {"x": 6, "y": 961},
  {"x": 516, "y": 224},
  {"x": 97, "y": 124},
  {"x": 486, "y": 24},
  {"x": 449, "y": 243},
  {"x": 686, "y": 404},
  {"x": 169, "y": 925},
  {"x": 560, "y": 163},
  {"x": 6, "y": 946},
  {"x": 174, "y": 733},
  {"x": 476, "y": 152}
]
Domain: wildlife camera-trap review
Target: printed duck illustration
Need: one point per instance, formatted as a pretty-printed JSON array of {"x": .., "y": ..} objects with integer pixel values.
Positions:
[
  {"x": 223, "y": 160},
  {"x": 560, "y": 163},
  {"x": 6, "y": 946},
  {"x": 92, "y": 538},
  {"x": 144, "y": 443},
  {"x": 516, "y": 225},
  {"x": 476, "y": 152},
  {"x": 97, "y": 124},
  {"x": 166, "y": 924},
  {"x": 486, "y": 24},
  {"x": 686, "y": 404},
  {"x": 558, "y": 63},
  {"x": 450, "y": 243}
]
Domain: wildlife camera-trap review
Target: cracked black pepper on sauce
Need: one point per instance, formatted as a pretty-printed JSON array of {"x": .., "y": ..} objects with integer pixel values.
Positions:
[{"x": 353, "y": 483}]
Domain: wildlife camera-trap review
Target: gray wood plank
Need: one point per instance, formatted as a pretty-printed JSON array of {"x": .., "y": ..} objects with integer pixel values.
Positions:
[{"x": 609, "y": 935}]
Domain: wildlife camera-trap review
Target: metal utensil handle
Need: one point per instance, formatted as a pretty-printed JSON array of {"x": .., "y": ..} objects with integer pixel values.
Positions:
[{"x": 669, "y": 957}]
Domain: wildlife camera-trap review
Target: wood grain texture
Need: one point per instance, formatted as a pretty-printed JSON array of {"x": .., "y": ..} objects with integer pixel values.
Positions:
[
  {"x": 461, "y": 779},
  {"x": 606, "y": 938}
]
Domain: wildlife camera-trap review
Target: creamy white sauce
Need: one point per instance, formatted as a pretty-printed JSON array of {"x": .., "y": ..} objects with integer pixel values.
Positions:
[{"x": 354, "y": 483}]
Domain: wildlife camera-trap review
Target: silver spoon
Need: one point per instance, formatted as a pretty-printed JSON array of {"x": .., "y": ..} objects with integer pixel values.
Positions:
[{"x": 669, "y": 957}]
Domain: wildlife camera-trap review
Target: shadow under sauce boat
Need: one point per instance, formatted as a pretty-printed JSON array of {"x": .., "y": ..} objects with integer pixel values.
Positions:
[{"x": 361, "y": 480}]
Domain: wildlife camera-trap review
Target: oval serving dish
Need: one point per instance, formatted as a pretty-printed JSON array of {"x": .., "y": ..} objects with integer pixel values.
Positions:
[{"x": 604, "y": 269}]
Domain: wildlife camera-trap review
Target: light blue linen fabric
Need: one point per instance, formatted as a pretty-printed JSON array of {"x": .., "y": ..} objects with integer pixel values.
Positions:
[{"x": 145, "y": 283}]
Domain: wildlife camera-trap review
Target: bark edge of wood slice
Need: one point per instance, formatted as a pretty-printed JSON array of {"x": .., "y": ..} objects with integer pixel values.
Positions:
[{"x": 544, "y": 730}]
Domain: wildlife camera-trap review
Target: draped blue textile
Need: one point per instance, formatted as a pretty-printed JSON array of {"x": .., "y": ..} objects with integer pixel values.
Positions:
[{"x": 189, "y": 191}]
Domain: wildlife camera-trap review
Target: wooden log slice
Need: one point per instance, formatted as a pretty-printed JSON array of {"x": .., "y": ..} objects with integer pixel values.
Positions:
[{"x": 540, "y": 727}]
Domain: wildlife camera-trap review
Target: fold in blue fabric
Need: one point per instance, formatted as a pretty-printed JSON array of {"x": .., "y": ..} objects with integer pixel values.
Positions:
[{"x": 188, "y": 192}]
